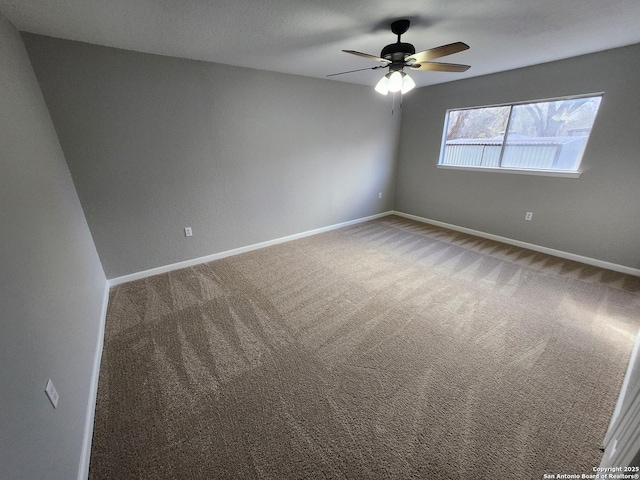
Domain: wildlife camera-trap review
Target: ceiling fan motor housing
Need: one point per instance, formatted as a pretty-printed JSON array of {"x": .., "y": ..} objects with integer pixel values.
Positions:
[{"x": 397, "y": 52}]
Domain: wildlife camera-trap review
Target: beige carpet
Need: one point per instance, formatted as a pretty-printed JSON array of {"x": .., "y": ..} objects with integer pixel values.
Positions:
[{"x": 384, "y": 350}]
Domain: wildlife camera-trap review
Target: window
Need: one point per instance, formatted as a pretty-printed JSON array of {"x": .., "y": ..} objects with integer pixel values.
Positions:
[{"x": 541, "y": 137}]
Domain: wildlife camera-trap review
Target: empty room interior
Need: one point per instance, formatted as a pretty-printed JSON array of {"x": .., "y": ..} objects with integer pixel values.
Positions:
[{"x": 346, "y": 240}]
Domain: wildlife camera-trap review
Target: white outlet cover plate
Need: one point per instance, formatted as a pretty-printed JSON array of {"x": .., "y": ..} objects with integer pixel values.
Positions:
[
  {"x": 188, "y": 232},
  {"x": 52, "y": 393}
]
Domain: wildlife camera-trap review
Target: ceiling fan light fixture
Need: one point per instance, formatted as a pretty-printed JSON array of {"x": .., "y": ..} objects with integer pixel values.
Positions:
[
  {"x": 383, "y": 85},
  {"x": 395, "y": 81},
  {"x": 407, "y": 83}
]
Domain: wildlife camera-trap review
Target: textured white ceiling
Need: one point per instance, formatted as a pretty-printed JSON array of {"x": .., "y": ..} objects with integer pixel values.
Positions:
[{"x": 305, "y": 37}]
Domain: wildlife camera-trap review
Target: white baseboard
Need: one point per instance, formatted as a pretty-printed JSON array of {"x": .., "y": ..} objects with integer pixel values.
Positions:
[
  {"x": 530, "y": 246},
  {"x": 85, "y": 457},
  {"x": 236, "y": 251}
]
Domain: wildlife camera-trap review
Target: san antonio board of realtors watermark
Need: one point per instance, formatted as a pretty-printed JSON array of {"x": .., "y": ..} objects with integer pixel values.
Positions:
[{"x": 599, "y": 473}]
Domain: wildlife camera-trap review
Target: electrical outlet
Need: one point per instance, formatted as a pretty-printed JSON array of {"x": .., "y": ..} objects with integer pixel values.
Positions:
[
  {"x": 188, "y": 232},
  {"x": 528, "y": 216},
  {"x": 380, "y": 195},
  {"x": 52, "y": 393}
]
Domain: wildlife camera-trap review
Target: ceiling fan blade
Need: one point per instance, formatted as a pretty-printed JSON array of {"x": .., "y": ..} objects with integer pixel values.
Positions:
[
  {"x": 437, "y": 52},
  {"x": 366, "y": 55},
  {"x": 440, "y": 67},
  {"x": 358, "y": 70}
]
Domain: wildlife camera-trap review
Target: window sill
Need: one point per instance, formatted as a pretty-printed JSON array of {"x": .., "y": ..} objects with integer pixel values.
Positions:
[{"x": 517, "y": 171}]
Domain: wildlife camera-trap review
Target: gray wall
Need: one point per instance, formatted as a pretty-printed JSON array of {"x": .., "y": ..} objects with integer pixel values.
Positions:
[
  {"x": 156, "y": 143},
  {"x": 52, "y": 285},
  {"x": 597, "y": 215}
]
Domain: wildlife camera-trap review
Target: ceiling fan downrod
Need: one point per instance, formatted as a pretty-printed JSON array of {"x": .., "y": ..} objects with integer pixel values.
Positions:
[{"x": 397, "y": 52}]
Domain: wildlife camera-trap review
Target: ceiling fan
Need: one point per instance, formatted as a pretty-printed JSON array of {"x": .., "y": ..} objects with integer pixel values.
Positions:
[{"x": 398, "y": 55}]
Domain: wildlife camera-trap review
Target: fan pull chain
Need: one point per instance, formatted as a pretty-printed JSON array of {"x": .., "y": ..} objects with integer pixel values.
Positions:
[{"x": 393, "y": 102}]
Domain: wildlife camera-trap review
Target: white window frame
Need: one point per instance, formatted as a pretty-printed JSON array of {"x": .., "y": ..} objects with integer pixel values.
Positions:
[{"x": 511, "y": 170}]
